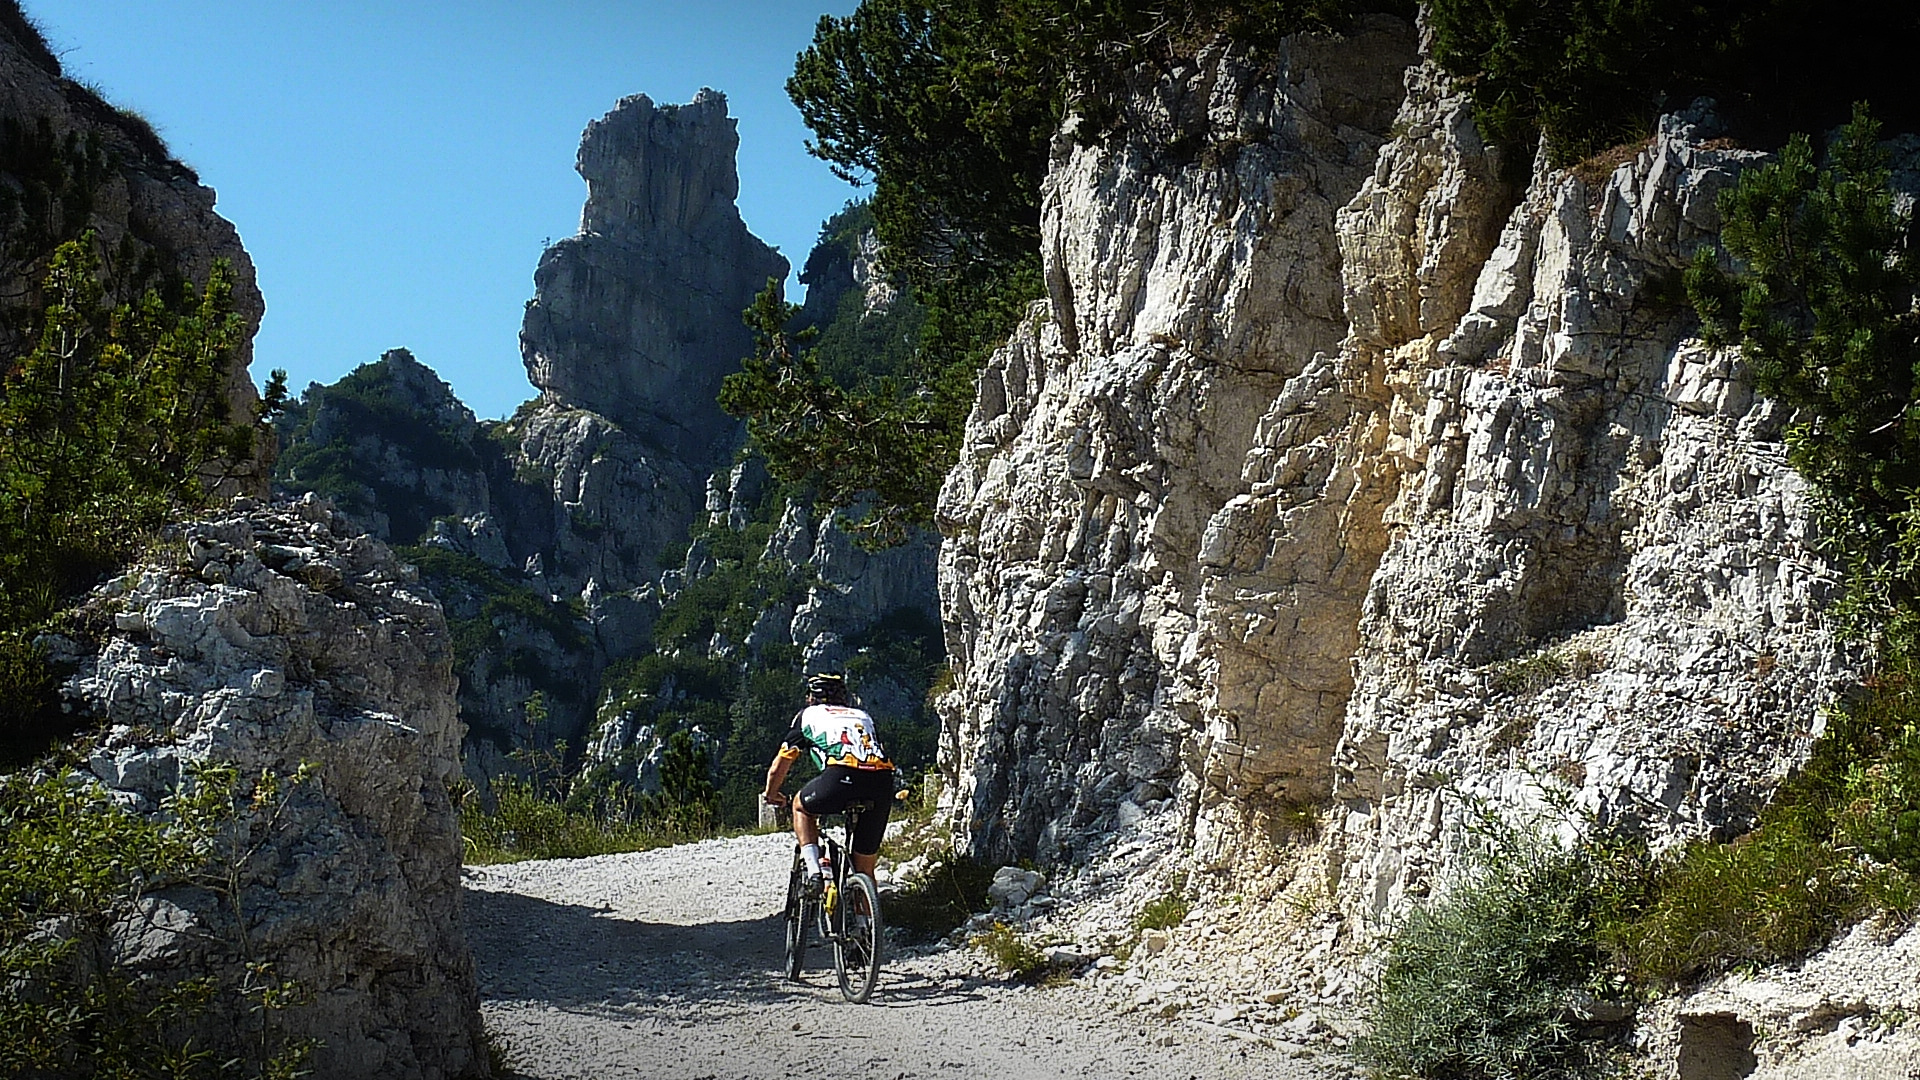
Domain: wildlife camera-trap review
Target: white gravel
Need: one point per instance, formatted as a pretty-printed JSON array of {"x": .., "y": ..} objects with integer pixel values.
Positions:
[{"x": 664, "y": 965}]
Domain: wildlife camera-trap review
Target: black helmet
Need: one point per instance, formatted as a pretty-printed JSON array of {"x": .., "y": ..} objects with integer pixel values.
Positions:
[{"x": 828, "y": 686}]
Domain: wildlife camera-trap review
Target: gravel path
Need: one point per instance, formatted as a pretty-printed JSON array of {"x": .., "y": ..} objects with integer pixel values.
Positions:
[{"x": 664, "y": 965}]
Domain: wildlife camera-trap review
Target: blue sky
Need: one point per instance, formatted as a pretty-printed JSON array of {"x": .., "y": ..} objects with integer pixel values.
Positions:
[{"x": 394, "y": 168}]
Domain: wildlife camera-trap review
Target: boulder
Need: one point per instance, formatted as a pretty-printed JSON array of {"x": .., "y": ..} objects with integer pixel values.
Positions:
[{"x": 281, "y": 641}]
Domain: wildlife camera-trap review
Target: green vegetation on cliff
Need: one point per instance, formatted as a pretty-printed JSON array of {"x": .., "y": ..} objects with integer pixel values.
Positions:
[
  {"x": 113, "y": 422},
  {"x": 326, "y": 435},
  {"x": 1822, "y": 306},
  {"x": 949, "y": 108},
  {"x": 706, "y": 686},
  {"x": 1490, "y": 981},
  {"x": 1594, "y": 73},
  {"x": 77, "y": 870}
]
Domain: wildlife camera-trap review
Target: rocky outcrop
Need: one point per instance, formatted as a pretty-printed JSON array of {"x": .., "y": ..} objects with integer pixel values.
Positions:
[
  {"x": 852, "y": 589},
  {"x": 638, "y": 317},
  {"x": 615, "y": 503},
  {"x": 391, "y": 444},
  {"x": 287, "y": 644},
  {"x": 71, "y": 162},
  {"x": 1843, "y": 1014},
  {"x": 1342, "y": 489},
  {"x": 1185, "y": 294},
  {"x": 1602, "y": 581}
]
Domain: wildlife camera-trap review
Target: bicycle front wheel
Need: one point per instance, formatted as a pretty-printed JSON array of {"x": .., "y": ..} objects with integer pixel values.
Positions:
[
  {"x": 798, "y": 918},
  {"x": 859, "y": 935}
]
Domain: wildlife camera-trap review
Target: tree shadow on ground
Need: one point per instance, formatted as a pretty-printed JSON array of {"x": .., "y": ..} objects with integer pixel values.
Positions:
[{"x": 588, "y": 959}]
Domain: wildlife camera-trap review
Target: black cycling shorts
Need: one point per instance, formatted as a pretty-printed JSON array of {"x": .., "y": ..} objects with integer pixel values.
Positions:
[{"x": 838, "y": 785}]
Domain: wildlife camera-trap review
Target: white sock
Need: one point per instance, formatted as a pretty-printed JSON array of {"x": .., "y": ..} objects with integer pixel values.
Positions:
[{"x": 811, "y": 858}]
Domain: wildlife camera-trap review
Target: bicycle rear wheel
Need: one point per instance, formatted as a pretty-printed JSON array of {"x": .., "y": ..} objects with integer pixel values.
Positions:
[
  {"x": 856, "y": 952},
  {"x": 799, "y": 917}
]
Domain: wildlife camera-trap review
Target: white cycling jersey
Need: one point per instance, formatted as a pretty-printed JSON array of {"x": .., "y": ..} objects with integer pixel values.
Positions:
[{"x": 836, "y": 735}]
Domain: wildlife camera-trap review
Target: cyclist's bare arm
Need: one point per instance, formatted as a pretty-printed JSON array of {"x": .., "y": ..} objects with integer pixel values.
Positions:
[
  {"x": 804, "y": 829},
  {"x": 777, "y": 775}
]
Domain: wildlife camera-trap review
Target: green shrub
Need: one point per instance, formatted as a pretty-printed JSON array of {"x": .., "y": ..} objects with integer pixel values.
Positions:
[
  {"x": 114, "y": 422},
  {"x": 526, "y": 824},
  {"x": 1162, "y": 913},
  {"x": 1012, "y": 953},
  {"x": 950, "y": 891},
  {"x": 1595, "y": 73},
  {"x": 1822, "y": 306},
  {"x": 1879, "y": 812},
  {"x": 1488, "y": 982},
  {"x": 76, "y": 866},
  {"x": 1775, "y": 894}
]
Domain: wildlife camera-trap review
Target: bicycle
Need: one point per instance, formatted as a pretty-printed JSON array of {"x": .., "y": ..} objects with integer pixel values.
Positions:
[{"x": 845, "y": 913}]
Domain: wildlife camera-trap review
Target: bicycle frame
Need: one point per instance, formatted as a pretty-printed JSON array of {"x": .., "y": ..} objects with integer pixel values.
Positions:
[{"x": 828, "y": 914}]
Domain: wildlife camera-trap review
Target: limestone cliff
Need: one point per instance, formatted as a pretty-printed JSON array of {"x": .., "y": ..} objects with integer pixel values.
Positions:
[
  {"x": 1343, "y": 489},
  {"x": 281, "y": 638},
  {"x": 71, "y": 162},
  {"x": 1187, "y": 296},
  {"x": 1599, "y": 574}
]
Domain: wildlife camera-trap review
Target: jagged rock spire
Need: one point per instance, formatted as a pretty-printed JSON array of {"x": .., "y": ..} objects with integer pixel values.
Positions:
[{"x": 638, "y": 317}]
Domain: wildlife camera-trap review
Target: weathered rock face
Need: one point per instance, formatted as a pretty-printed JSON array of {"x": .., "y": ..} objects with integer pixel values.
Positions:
[
  {"x": 69, "y": 162},
  {"x": 854, "y": 588},
  {"x": 638, "y": 317},
  {"x": 850, "y": 600},
  {"x": 1115, "y": 425},
  {"x": 1839, "y": 1015},
  {"x": 286, "y": 638},
  {"x": 615, "y": 503},
  {"x": 1600, "y": 577},
  {"x": 1335, "y": 471},
  {"x": 412, "y": 445}
]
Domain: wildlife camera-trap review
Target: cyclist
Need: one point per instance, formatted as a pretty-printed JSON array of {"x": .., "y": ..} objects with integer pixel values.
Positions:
[{"x": 853, "y": 766}]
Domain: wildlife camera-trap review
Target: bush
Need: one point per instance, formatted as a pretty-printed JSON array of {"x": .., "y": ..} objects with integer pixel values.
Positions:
[
  {"x": 1013, "y": 953},
  {"x": 1879, "y": 813},
  {"x": 1162, "y": 913},
  {"x": 525, "y": 824},
  {"x": 76, "y": 867},
  {"x": 950, "y": 891},
  {"x": 1489, "y": 982},
  {"x": 1823, "y": 307},
  {"x": 1775, "y": 894},
  {"x": 1595, "y": 73},
  {"x": 114, "y": 422}
]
